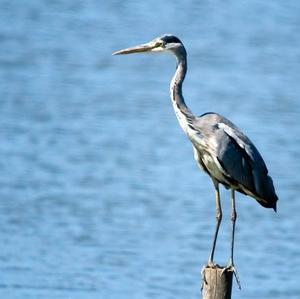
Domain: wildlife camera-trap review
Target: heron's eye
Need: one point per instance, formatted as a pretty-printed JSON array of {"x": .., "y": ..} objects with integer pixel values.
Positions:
[{"x": 160, "y": 44}]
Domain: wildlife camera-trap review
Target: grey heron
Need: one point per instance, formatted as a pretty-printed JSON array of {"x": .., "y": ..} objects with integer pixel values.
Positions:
[{"x": 220, "y": 148}]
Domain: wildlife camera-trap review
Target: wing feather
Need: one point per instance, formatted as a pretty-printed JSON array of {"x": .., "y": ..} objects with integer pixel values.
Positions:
[
  {"x": 235, "y": 161},
  {"x": 239, "y": 163}
]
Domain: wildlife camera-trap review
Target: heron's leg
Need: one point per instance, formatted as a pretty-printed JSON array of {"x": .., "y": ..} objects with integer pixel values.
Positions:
[
  {"x": 233, "y": 220},
  {"x": 218, "y": 218}
]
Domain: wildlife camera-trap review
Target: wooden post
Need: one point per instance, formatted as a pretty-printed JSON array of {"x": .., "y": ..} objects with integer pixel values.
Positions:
[{"x": 216, "y": 282}]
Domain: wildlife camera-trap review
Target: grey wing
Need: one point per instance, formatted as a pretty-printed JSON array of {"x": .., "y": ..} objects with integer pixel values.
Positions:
[
  {"x": 235, "y": 161},
  {"x": 244, "y": 165},
  {"x": 231, "y": 158}
]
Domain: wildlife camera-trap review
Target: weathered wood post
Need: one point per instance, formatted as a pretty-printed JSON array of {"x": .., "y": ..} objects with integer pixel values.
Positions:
[{"x": 216, "y": 282}]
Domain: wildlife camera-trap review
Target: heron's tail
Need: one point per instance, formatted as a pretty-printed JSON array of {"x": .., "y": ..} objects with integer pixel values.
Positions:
[{"x": 267, "y": 196}]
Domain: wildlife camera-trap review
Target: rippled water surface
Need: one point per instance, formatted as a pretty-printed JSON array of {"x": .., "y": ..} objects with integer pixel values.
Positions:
[{"x": 100, "y": 196}]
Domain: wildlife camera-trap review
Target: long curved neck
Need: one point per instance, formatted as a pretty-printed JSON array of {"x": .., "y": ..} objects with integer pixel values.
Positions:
[{"x": 183, "y": 113}]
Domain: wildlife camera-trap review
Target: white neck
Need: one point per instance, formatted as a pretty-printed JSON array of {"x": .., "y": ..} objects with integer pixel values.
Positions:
[{"x": 183, "y": 113}]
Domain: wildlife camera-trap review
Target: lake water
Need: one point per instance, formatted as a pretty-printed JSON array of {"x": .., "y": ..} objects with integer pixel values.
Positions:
[{"x": 100, "y": 195}]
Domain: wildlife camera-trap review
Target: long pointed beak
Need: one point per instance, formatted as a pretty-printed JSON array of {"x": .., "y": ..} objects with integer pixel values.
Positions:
[{"x": 137, "y": 49}]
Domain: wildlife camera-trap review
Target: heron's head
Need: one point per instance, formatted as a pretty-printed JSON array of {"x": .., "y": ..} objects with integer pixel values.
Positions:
[{"x": 163, "y": 43}]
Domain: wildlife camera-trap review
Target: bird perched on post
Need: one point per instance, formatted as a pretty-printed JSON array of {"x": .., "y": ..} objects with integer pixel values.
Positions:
[{"x": 220, "y": 148}]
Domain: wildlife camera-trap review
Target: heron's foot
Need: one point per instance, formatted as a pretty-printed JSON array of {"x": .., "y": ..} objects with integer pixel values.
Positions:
[
  {"x": 210, "y": 263},
  {"x": 232, "y": 268}
]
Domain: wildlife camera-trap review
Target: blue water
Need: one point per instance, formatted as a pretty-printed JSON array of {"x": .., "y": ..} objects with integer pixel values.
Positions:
[{"x": 100, "y": 196}]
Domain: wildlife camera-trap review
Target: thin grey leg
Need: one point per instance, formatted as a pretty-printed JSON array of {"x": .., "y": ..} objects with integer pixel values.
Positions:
[
  {"x": 233, "y": 220},
  {"x": 218, "y": 219}
]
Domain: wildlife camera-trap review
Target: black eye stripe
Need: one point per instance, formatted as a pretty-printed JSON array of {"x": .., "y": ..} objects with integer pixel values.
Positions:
[{"x": 171, "y": 39}]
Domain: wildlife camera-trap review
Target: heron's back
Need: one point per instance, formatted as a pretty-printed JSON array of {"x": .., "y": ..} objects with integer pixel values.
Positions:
[{"x": 229, "y": 157}]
